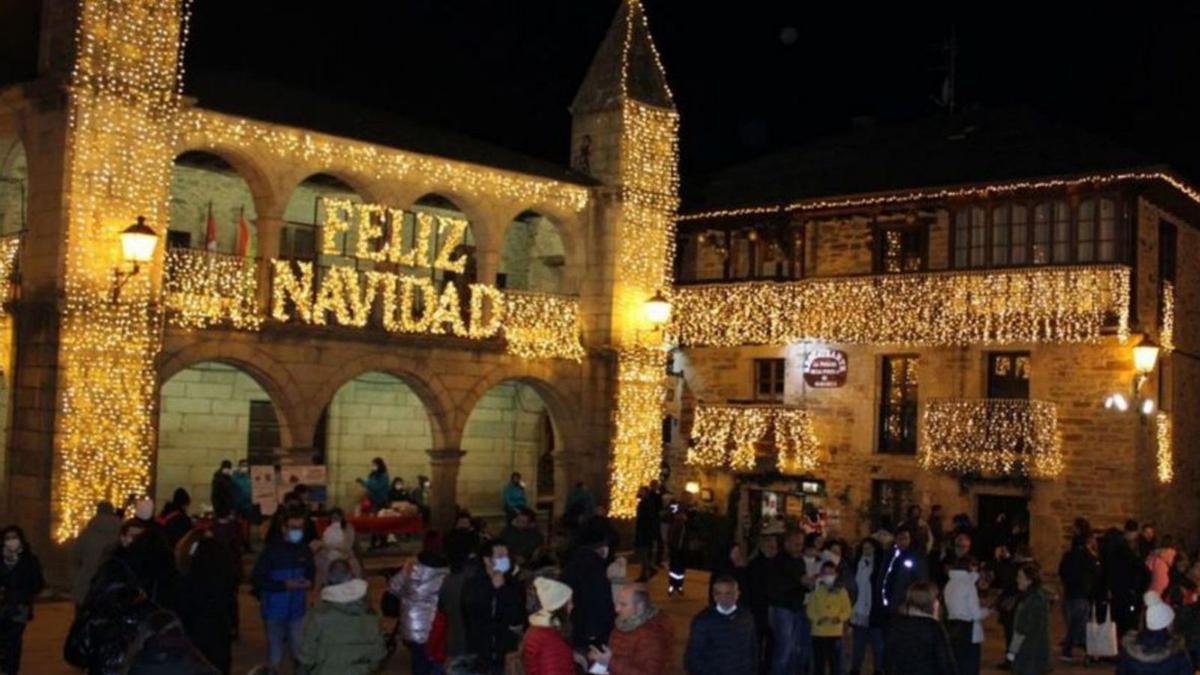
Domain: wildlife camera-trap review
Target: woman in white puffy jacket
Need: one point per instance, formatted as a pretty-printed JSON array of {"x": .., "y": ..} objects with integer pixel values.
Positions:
[
  {"x": 964, "y": 615},
  {"x": 417, "y": 585}
]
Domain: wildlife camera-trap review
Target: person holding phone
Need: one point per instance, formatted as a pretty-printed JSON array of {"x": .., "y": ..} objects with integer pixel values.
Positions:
[
  {"x": 282, "y": 576},
  {"x": 641, "y": 641}
]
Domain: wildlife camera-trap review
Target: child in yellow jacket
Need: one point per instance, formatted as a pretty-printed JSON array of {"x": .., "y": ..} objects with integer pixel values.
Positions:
[{"x": 828, "y": 608}]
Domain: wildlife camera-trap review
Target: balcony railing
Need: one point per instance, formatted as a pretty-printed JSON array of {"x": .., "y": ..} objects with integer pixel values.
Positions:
[
  {"x": 992, "y": 437},
  {"x": 727, "y": 436},
  {"x": 204, "y": 288},
  {"x": 1057, "y": 305}
]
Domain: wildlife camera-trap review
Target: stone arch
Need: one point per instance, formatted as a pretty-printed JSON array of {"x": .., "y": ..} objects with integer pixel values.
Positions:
[
  {"x": 425, "y": 384},
  {"x": 224, "y": 185},
  {"x": 558, "y": 240},
  {"x": 303, "y": 218},
  {"x": 273, "y": 377},
  {"x": 210, "y": 411},
  {"x": 257, "y": 175},
  {"x": 505, "y": 430}
]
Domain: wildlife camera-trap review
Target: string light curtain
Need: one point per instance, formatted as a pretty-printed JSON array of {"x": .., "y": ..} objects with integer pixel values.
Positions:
[
  {"x": 649, "y": 162},
  {"x": 124, "y": 104},
  {"x": 204, "y": 289},
  {"x": 1165, "y": 457},
  {"x": 542, "y": 326},
  {"x": 724, "y": 436},
  {"x": 1166, "y": 334},
  {"x": 1001, "y": 437},
  {"x": 947, "y": 308},
  {"x": 10, "y": 246}
]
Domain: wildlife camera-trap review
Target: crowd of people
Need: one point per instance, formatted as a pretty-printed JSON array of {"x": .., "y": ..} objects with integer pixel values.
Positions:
[{"x": 158, "y": 593}]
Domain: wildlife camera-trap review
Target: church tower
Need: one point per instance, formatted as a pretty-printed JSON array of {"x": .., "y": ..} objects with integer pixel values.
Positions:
[{"x": 624, "y": 133}]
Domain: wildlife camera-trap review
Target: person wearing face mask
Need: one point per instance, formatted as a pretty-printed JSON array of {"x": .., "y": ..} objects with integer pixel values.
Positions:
[
  {"x": 867, "y": 616},
  {"x": 965, "y": 616},
  {"x": 722, "y": 638},
  {"x": 828, "y": 609},
  {"x": 224, "y": 492},
  {"x": 282, "y": 576},
  {"x": 243, "y": 500},
  {"x": 398, "y": 492},
  {"x": 587, "y": 575},
  {"x": 20, "y": 583},
  {"x": 493, "y": 605}
]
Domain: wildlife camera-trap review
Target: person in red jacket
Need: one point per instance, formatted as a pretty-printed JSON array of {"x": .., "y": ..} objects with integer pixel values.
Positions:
[
  {"x": 545, "y": 650},
  {"x": 642, "y": 637}
]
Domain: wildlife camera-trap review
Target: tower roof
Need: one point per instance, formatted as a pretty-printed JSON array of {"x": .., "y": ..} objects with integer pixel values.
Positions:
[{"x": 626, "y": 64}]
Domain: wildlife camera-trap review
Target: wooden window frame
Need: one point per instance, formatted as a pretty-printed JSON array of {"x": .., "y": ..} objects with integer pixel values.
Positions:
[
  {"x": 881, "y": 446},
  {"x": 772, "y": 397},
  {"x": 879, "y": 232}
]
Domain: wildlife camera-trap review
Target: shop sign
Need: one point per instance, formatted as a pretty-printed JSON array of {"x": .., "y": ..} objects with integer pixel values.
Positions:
[{"x": 825, "y": 368}]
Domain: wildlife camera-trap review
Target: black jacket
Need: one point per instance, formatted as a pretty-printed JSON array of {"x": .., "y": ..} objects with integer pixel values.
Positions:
[
  {"x": 20, "y": 585},
  {"x": 108, "y": 621},
  {"x": 917, "y": 644},
  {"x": 460, "y": 544},
  {"x": 1080, "y": 572},
  {"x": 757, "y": 587},
  {"x": 224, "y": 493},
  {"x": 170, "y": 654},
  {"x": 719, "y": 644},
  {"x": 205, "y": 598},
  {"x": 901, "y": 569},
  {"x": 785, "y": 582},
  {"x": 1126, "y": 574},
  {"x": 490, "y": 614},
  {"x": 594, "y": 613},
  {"x": 646, "y": 525}
]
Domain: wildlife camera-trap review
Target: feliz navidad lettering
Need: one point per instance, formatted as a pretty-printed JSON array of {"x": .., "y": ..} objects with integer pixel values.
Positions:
[{"x": 410, "y": 303}]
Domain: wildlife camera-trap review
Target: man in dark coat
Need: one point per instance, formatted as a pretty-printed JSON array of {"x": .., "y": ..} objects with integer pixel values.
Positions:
[
  {"x": 645, "y": 532},
  {"x": 905, "y": 566},
  {"x": 493, "y": 605},
  {"x": 788, "y": 585},
  {"x": 1127, "y": 578},
  {"x": 722, "y": 638},
  {"x": 757, "y": 584},
  {"x": 224, "y": 490},
  {"x": 586, "y": 574},
  {"x": 1080, "y": 571}
]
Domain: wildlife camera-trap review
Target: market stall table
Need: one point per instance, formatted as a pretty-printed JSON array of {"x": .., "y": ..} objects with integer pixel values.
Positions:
[{"x": 382, "y": 525}]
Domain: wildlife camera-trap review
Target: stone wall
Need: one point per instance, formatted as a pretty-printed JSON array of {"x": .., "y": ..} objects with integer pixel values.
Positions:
[
  {"x": 1098, "y": 444},
  {"x": 375, "y": 415},
  {"x": 14, "y": 175},
  {"x": 204, "y": 418},
  {"x": 193, "y": 189},
  {"x": 533, "y": 256},
  {"x": 504, "y": 434}
]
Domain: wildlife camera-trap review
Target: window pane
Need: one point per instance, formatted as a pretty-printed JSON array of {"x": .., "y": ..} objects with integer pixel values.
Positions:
[
  {"x": 1107, "y": 236},
  {"x": 898, "y": 408},
  {"x": 1000, "y": 235},
  {"x": 1062, "y": 232},
  {"x": 1020, "y": 233},
  {"x": 1086, "y": 249},
  {"x": 1041, "y": 234},
  {"x": 978, "y": 237},
  {"x": 960, "y": 239}
]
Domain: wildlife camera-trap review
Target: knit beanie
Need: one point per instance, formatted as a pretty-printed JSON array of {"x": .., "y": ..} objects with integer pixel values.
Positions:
[{"x": 551, "y": 594}]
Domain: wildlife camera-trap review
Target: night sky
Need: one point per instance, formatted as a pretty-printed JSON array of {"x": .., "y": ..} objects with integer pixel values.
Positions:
[{"x": 749, "y": 78}]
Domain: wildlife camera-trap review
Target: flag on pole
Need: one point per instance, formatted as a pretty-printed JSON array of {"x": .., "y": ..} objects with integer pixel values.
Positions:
[
  {"x": 242, "y": 249},
  {"x": 210, "y": 240}
]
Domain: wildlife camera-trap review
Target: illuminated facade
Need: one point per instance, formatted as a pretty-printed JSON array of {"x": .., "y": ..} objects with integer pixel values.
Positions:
[
  {"x": 967, "y": 342},
  {"x": 319, "y": 297}
]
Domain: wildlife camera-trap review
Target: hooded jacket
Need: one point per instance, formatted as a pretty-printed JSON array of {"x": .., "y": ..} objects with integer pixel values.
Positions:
[
  {"x": 1153, "y": 653},
  {"x": 418, "y": 592},
  {"x": 342, "y": 635},
  {"x": 962, "y": 602}
]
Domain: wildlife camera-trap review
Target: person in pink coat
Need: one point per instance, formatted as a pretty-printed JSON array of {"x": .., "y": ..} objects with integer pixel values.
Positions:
[{"x": 1159, "y": 562}]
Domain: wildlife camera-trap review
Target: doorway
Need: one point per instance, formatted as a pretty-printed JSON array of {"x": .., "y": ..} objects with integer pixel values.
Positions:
[{"x": 1003, "y": 520}]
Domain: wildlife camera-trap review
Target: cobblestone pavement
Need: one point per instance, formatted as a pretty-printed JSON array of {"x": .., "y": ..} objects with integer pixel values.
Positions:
[{"x": 45, "y": 636}]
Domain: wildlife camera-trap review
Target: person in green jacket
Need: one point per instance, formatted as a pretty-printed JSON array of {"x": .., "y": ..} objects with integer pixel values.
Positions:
[
  {"x": 1029, "y": 651},
  {"x": 342, "y": 635}
]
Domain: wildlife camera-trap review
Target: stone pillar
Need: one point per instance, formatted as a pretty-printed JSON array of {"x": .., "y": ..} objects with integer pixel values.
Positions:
[
  {"x": 487, "y": 265},
  {"x": 443, "y": 498},
  {"x": 270, "y": 234}
]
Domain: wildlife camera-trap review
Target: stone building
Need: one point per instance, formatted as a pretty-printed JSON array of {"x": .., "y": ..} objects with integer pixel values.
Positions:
[
  {"x": 943, "y": 313},
  {"x": 330, "y": 284}
]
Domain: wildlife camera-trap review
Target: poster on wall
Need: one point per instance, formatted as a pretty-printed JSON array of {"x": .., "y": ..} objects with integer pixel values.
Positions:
[
  {"x": 312, "y": 475},
  {"x": 825, "y": 368},
  {"x": 263, "y": 489}
]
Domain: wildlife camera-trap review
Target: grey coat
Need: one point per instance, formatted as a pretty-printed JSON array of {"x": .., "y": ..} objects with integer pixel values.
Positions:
[
  {"x": 91, "y": 549},
  {"x": 418, "y": 593}
]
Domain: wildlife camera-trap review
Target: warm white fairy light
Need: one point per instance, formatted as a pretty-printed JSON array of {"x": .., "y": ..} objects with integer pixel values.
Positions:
[
  {"x": 991, "y": 190},
  {"x": 992, "y": 436},
  {"x": 1166, "y": 333},
  {"x": 123, "y": 101},
  {"x": 726, "y": 436},
  {"x": 202, "y": 289},
  {"x": 1165, "y": 458},
  {"x": 540, "y": 325},
  {"x": 945, "y": 308}
]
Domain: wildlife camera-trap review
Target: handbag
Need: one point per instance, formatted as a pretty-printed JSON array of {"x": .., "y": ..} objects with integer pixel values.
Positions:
[{"x": 1101, "y": 634}]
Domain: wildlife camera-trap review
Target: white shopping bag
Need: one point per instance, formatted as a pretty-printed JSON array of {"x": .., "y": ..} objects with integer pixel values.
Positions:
[{"x": 1101, "y": 634}]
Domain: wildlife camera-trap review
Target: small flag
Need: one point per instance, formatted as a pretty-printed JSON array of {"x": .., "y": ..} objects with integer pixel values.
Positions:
[
  {"x": 210, "y": 240},
  {"x": 242, "y": 249}
]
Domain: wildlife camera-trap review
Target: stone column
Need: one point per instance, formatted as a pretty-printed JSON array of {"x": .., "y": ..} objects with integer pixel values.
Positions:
[
  {"x": 270, "y": 233},
  {"x": 443, "y": 498},
  {"x": 566, "y": 473}
]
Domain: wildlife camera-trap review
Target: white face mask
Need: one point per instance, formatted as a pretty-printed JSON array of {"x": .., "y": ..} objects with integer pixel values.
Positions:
[
  {"x": 501, "y": 565},
  {"x": 726, "y": 611},
  {"x": 825, "y": 580}
]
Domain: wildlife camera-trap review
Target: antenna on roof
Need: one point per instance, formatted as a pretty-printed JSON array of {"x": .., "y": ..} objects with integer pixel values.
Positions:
[{"x": 949, "y": 49}]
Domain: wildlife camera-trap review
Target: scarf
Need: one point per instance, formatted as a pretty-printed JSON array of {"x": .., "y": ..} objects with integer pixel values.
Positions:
[{"x": 635, "y": 622}]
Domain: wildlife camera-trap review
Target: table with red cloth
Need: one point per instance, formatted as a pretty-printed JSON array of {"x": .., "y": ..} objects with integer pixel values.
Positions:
[{"x": 379, "y": 524}]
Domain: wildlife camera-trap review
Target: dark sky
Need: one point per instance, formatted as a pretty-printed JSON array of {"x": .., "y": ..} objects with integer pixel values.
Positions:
[{"x": 748, "y": 77}]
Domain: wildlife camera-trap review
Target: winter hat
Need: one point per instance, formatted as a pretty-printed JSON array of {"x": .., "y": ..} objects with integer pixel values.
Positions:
[
  {"x": 144, "y": 509},
  {"x": 551, "y": 594},
  {"x": 1159, "y": 615}
]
